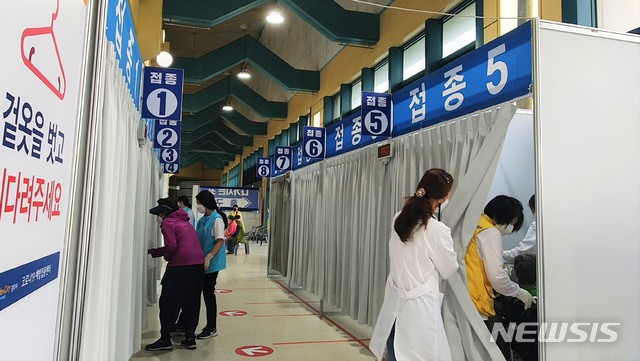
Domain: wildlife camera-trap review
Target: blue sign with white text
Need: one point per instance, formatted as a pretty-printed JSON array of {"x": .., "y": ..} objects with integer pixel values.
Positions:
[
  {"x": 162, "y": 93},
  {"x": 122, "y": 34},
  {"x": 167, "y": 134},
  {"x": 282, "y": 158},
  {"x": 245, "y": 198},
  {"x": 263, "y": 168},
  {"x": 300, "y": 161},
  {"x": 19, "y": 282},
  {"x": 376, "y": 114},
  {"x": 313, "y": 142},
  {"x": 170, "y": 160},
  {"x": 497, "y": 72},
  {"x": 346, "y": 135}
]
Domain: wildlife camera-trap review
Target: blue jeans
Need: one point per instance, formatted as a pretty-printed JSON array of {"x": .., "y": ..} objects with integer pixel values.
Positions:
[{"x": 391, "y": 353}]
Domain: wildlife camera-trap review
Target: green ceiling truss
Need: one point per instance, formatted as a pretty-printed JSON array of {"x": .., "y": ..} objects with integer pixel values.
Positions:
[
  {"x": 251, "y": 50},
  {"x": 230, "y": 86},
  {"x": 202, "y": 118},
  {"x": 328, "y": 17}
]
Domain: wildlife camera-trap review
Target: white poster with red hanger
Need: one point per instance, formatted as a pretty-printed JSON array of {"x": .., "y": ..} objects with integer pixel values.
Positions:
[{"x": 43, "y": 54}]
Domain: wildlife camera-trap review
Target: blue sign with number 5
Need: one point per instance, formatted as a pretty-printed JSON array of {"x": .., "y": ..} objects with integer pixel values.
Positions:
[{"x": 162, "y": 93}]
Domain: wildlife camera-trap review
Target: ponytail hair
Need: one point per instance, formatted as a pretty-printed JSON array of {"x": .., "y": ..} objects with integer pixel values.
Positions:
[
  {"x": 208, "y": 200},
  {"x": 435, "y": 184}
]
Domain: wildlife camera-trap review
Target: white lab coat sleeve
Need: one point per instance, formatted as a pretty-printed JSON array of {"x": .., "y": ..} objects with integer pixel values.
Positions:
[
  {"x": 442, "y": 253},
  {"x": 527, "y": 244},
  {"x": 490, "y": 244}
]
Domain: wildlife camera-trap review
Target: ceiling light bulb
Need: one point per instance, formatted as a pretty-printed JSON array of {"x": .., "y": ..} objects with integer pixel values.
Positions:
[
  {"x": 275, "y": 17},
  {"x": 227, "y": 107},
  {"x": 244, "y": 73},
  {"x": 164, "y": 59}
]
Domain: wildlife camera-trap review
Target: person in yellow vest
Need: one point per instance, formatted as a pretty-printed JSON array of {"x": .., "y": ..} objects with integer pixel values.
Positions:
[
  {"x": 485, "y": 267},
  {"x": 235, "y": 213}
]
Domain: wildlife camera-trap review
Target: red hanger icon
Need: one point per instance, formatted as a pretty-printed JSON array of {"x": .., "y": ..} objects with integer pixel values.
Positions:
[{"x": 39, "y": 49}]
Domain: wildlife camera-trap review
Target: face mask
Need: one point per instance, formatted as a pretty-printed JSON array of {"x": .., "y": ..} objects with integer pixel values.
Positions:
[
  {"x": 444, "y": 204},
  {"x": 200, "y": 208},
  {"x": 159, "y": 219},
  {"x": 504, "y": 230}
]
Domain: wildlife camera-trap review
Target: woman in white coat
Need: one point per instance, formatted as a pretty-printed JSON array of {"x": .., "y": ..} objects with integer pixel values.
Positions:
[{"x": 421, "y": 252}]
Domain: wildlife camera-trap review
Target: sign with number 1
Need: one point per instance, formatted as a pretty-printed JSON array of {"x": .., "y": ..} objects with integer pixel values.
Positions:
[{"x": 162, "y": 93}]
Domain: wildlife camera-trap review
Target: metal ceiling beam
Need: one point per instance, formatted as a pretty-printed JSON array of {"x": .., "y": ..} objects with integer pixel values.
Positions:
[
  {"x": 336, "y": 23},
  {"x": 205, "y": 13},
  {"x": 209, "y": 149},
  {"x": 189, "y": 161},
  {"x": 213, "y": 156},
  {"x": 194, "y": 142},
  {"x": 218, "y": 126},
  {"x": 248, "y": 49},
  {"x": 231, "y": 86},
  {"x": 199, "y": 120}
]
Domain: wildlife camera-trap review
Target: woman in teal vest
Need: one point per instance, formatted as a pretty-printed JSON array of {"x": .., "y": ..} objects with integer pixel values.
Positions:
[{"x": 210, "y": 230}]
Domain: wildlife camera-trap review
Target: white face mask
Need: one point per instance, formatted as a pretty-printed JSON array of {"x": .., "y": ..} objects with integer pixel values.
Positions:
[
  {"x": 504, "y": 230},
  {"x": 159, "y": 219},
  {"x": 200, "y": 208}
]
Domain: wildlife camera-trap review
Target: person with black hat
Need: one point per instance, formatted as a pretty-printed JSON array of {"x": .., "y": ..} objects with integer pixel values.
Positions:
[{"x": 182, "y": 279}]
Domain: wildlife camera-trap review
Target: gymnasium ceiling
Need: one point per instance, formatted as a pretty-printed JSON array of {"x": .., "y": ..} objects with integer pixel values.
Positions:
[{"x": 212, "y": 40}]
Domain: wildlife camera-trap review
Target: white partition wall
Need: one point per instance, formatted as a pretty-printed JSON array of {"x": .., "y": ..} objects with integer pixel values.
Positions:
[{"x": 588, "y": 187}]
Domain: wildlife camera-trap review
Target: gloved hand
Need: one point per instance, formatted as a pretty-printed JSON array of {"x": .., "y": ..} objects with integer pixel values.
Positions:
[{"x": 526, "y": 298}]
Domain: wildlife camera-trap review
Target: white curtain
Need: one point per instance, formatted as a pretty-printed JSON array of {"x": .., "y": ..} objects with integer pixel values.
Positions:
[
  {"x": 126, "y": 185},
  {"x": 280, "y": 205},
  {"x": 342, "y": 210}
]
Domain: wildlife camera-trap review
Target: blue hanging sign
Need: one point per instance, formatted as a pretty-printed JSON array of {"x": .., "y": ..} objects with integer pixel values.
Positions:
[
  {"x": 282, "y": 158},
  {"x": 162, "y": 93},
  {"x": 299, "y": 160},
  {"x": 167, "y": 134},
  {"x": 376, "y": 114},
  {"x": 497, "y": 72},
  {"x": 122, "y": 34},
  {"x": 263, "y": 168},
  {"x": 170, "y": 159},
  {"x": 314, "y": 142}
]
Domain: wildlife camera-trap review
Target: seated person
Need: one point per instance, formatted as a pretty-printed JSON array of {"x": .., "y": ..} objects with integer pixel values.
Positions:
[
  {"x": 231, "y": 233},
  {"x": 240, "y": 233},
  {"x": 513, "y": 311}
]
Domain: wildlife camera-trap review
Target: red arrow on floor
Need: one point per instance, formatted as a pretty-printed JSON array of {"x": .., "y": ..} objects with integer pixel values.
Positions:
[
  {"x": 254, "y": 351},
  {"x": 232, "y": 313}
]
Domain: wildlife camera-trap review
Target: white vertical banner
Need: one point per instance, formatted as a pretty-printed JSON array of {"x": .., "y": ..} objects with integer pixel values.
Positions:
[{"x": 43, "y": 44}]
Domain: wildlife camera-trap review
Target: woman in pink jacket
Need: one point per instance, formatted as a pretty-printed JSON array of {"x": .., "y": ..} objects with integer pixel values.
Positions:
[{"x": 182, "y": 280}]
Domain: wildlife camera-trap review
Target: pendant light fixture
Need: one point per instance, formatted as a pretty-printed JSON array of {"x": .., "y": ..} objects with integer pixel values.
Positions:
[
  {"x": 244, "y": 72},
  {"x": 227, "y": 107},
  {"x": 275, "y": 16}
]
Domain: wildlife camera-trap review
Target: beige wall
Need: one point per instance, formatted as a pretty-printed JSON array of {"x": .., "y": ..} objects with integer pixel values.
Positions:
[{"x": 618, "y": 15}]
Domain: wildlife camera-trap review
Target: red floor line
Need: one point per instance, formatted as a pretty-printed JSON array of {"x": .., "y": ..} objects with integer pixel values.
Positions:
[
  {"x": 274, "y": 303},
  {"x": 326, "y": 318},
  {"x": 312, "y": 342},
  {"x": 295, "y": 315},
  {"x": 255, "y": 288}
]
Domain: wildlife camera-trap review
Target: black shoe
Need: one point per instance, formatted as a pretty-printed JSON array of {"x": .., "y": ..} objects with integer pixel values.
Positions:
[
  {"x": 189, "y": 343},
  {"x": 207, "y": 334},
  {"x": 159, "y": 345},
  {"x": 229, "y": 252}
]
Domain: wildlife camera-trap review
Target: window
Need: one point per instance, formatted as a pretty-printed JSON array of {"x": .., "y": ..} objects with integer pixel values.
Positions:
[
  {"x": 224, "y": 179},
  {"x": 413, "y": 60},
  {"x": 234, "y": 177},
  {"x": 317, "y": 120},
  {"x": 459, "y": 31},
  {"x": 356, "y": 94},
  {"x": 381, "y": 77},
  {"x": 337, "y": 113}
]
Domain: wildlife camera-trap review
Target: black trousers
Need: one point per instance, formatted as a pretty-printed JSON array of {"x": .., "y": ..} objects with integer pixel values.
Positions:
[
  {"x": 208, "y": 293},
  {"x": 181, "y": 287},
  {"x": 230, "y": 246}
]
